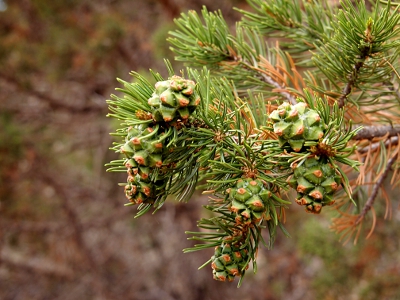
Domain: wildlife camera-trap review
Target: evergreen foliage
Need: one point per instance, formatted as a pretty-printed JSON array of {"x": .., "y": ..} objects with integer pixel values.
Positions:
[{"x": 251, "y": 118}]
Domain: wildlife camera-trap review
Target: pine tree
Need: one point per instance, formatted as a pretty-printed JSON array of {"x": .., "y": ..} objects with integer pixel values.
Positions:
[{"x": 300, "y": 103}]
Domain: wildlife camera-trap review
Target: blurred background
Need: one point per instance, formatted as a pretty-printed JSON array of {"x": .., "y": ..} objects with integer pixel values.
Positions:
[{"x": 64, "y": 232}]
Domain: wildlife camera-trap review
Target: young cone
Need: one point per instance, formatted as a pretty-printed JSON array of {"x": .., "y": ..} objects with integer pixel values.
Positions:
[
  {"x": 248, "y": 200},
  {"x": 228, "y": 261},
  {"x": 174, "y": 99},
  {"x": 315, "y": 182},
  {"x": 296, "y": 124}
]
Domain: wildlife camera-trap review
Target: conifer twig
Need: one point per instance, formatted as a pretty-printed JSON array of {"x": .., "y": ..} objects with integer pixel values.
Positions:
[
  {"x": 368, "y": 205},
  {"x": 269, "y": 80},
  {"x": 370, "y": 132},
  {"x": 349, "y": 86}
]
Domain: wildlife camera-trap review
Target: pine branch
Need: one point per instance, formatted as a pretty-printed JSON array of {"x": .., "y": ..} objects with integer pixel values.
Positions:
[
  {"x": 350, "y": 84},
  {"x": 305, "y": 24},
  {"x": 361, "y": 53},
  {"x": 239, "y": 58},
  {"x": 370, "y": 132},
  {"x": 299, "y": 145},
  {"x": 370, "y": 202},
  {"x": 269, "y": 80}
]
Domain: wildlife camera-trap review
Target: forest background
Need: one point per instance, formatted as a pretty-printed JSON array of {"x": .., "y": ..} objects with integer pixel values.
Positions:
[{"x": 64, "y": 232}]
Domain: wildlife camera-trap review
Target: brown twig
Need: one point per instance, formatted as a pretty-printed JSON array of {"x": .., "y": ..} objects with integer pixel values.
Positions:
[
  {"x": 349, "y": 86},
  {"x": 269, "y": 80},
  {"x": 356, "y": 68},
  {"x": 368, "y": 205},
  {"x": 370, "y": 132}
]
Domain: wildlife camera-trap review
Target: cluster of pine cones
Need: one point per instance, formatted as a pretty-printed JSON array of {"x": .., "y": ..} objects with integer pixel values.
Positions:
[
  {"x": 314, "y": 179},
  {"x": 145, "y": 147}
]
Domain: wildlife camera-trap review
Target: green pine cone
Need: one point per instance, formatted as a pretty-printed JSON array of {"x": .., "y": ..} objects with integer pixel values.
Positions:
[
  {"x": 315, "y": 182},
  {"x": 144, "y": 145},
  {"x": 296, "y": 124},
  {"x": 248, "y": 200},
  {"x": 229, "y": 261},
  {"x": 174, "y": 99},
  {"x": 143, "y": 184},
  {"x": 138, "y": 191},
  {"x": 135, "y": 169}
]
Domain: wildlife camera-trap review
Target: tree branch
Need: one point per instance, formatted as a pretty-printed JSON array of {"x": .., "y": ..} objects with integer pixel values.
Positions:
[
  {"x": 349, "y": 86},
  {"x": 378, "y": 184},
  {"x": 370, "y": 132},
  {"x": 269, "y": 80}
]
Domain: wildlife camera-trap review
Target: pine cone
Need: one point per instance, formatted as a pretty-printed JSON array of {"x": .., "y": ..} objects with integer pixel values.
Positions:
[
  {"x": 315, "y": 182},
  {"x": 295, "y": 124},
  {"x": 248, "y": 200},
  {"x": 144, "y": 146},
  {"x": 174, "y": 99},
  {"x": 229, "y": 261},
  {"x": 138, "y": 191}
]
